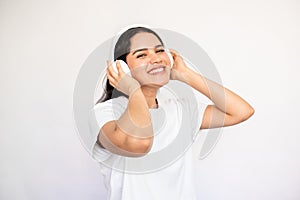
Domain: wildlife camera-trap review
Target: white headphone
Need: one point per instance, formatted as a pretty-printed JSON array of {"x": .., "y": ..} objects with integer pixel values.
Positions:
[{"x": 122, "y": 63}]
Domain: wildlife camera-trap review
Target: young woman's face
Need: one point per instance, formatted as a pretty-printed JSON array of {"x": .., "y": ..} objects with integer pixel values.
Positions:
[{"x": 148, "y": 62}]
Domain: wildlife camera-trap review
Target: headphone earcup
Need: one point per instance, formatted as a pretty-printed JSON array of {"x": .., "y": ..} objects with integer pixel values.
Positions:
[
  {"x": 170, "y": 57},
  {"x": 124, "y": 66}
]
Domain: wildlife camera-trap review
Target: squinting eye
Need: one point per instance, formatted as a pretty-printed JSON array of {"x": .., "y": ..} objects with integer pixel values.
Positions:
[
  {"x": 141, "y": 55},
  {"x": 160, "y": 50}
]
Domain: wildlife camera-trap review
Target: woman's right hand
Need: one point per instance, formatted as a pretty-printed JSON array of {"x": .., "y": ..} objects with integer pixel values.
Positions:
[{"x": 121, "y": 81}]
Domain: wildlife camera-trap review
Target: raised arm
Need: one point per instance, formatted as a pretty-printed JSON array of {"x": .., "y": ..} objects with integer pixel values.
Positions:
[
  {"x": 228, "y": 108},
  {"x": 132, "y": 134}
]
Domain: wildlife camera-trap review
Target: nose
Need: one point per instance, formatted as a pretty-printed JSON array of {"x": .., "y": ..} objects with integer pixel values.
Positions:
[{"x": 154, "y": 58}]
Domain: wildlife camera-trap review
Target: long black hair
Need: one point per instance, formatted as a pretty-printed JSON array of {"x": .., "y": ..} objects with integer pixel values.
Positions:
[{"x": 121, "y": 50}]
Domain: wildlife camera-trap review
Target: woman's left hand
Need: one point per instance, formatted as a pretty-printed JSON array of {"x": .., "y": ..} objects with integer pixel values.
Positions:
[{"x": 179, "y": 67}]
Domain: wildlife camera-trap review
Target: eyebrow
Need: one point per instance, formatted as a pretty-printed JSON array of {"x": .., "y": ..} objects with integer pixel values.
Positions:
[{"x": 143, "y": 49}]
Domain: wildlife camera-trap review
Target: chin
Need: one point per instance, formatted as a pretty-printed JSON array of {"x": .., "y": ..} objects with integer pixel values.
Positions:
[
  {"x": 155, "y": 84},
  {"x": 158, "y": 84}
]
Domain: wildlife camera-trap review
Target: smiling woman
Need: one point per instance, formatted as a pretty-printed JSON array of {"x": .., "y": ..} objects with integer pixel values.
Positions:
[
  {"x": 133, "y": 47},
  {"x": 148, "y": 61},
  {"x": 129, "y": 117}
]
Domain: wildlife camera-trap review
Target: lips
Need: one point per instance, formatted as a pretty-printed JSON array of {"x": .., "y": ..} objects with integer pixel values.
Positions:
[{"x": 156, "y": 70}]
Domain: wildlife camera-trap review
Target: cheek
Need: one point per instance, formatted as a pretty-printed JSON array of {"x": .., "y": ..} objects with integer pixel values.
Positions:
[
  {"x": 129, "y": 61},
  {"x": 166, "y": 59},
  {"x": 130, "y": 64},
  {"x": 139, "y": 65},
  {"x": 139, "y": 73},
  {"x": 133, "y": 63}
]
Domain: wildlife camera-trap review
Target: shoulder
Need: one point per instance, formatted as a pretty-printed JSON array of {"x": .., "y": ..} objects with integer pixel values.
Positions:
[
  {"x": 115, "y": 104},
  {"x": 115, "y": 101},
  {"x": 109, "y": 110}
]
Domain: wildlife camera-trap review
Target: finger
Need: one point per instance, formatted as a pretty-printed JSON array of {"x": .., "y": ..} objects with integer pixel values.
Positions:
[
  {"x": 112, "y": 81},
  {"x": 119, "y": 68},
  {"x": 108, "y": 62},
  {"x": 175, "y": 55},
  {"x": 111, "y": 71}
]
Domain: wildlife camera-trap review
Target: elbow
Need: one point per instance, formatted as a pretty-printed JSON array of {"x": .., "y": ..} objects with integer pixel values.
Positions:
[
  {"x": 250, "y": 112},
  {"x": 242, "y": 116},
  {"x": 139, "y": 146},
  {"x": 247, "y": 113},
  {"x": 145, "y": 147}
]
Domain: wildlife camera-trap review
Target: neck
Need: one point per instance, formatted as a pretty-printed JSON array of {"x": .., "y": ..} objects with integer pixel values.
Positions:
[{"x": 150, "y": 96}]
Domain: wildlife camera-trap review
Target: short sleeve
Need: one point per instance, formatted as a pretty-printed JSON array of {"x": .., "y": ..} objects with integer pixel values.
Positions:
[
  {"x": 196, "y": 111},
  {"x": 198, "y": 116},
  {"x": 101, "y": 114}
]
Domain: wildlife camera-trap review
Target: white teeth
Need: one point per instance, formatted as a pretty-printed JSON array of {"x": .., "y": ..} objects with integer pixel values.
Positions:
[{"x": 156, "y": 70}]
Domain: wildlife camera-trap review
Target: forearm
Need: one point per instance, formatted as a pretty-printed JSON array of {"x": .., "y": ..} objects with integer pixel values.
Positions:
[
  {"x": 136, "y": 120},
  {"x": 131, "y": 134},
  {"x": 224, "y": 99}
]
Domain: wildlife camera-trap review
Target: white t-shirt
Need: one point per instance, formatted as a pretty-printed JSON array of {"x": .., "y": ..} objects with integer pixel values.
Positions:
[{"x": 167, "y": 171}]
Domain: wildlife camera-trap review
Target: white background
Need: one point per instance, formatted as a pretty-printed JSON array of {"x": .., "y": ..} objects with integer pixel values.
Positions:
[{"x": 254, "y": 44}]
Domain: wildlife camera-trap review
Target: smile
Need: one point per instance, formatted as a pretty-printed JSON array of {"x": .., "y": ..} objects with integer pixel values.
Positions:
[{"x": 156, "y": 70}]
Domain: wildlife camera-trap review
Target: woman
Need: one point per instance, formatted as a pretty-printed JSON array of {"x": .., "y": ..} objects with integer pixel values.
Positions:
[{"x": 132, "y": 130}]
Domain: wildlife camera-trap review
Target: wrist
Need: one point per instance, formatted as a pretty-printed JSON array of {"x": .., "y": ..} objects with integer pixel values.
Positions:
[
  {"x": 133, "y": 87},
  {"x": 186, "y": 76},
  {"x": 128, "y": 85}
]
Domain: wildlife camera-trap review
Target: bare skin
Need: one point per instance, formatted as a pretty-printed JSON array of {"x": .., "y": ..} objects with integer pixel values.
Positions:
[{"x": 228, "y": 108}]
